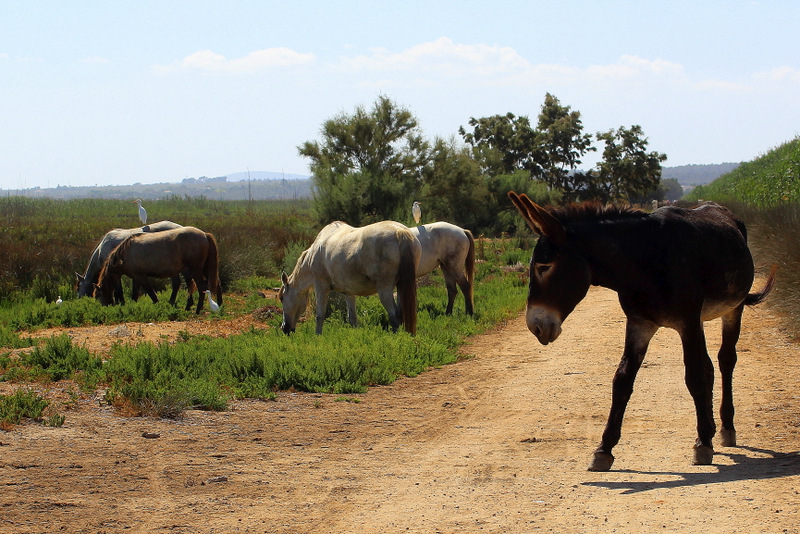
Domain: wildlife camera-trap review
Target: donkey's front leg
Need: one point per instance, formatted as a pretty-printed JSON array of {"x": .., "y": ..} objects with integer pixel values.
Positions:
[
  {"x": 700, "y": 381},
  {"x": 638, "y": 334}
]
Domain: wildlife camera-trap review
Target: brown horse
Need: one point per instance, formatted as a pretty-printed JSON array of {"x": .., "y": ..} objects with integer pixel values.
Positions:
[
  {"x": 672, "y": 268},
  {"x": 162, "y": 255}
]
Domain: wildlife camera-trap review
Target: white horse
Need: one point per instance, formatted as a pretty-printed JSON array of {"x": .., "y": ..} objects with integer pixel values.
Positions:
[
  {"x": 452, "y": 248},
  {"x": 109, "y": 242},
  {"x": 355, "y": 262}
]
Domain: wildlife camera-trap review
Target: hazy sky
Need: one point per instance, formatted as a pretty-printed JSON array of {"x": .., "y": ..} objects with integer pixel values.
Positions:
[{"x": 118, "y": 92}]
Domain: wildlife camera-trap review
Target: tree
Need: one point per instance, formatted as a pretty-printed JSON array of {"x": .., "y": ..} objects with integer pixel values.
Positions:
[
  {"x": 627, "y": 169},
  {"x": 367, "y": 165},
  {"x": 561, "y": 144},
  {"x": 502, "y": 143},
  {"x": 455, "y": 189}
]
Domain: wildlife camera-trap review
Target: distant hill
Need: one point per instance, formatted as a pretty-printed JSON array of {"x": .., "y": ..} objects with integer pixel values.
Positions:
[
  {"x": 265, "y": 185},
  {"x": 277, "y": 187},
  {"x": 692, "y": 175}
]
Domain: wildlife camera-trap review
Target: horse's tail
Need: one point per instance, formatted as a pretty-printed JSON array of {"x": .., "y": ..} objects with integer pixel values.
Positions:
[
  {"x": 211, "y": 267},
  {"x": 407, "y": 281},
  {"x": 759, "y": 296},
  {"x": 469, "y": 266}
]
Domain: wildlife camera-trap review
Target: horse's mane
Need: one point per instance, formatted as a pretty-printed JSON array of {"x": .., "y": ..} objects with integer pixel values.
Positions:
[
  {"x": 118, "y": 252},
  {"x": 595, "y": 211}
]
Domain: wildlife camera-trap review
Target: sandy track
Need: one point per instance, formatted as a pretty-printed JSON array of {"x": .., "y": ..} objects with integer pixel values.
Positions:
[{"x": 496, "y": 443}]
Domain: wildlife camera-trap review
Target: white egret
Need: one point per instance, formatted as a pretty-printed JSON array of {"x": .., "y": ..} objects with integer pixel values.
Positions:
[
  {"x": 211, "y": 303},
  {"x": 142, "y": 211},
  {"x": 416, "y": 212},
  {"x": 59, "y": 301}
]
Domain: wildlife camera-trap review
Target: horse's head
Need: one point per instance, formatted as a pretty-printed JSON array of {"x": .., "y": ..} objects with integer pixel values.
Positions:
[
  {"x": 294, "y": 303},
  {"x": 559, "y": 275},
  {"x": 104, "y": 293},
  {"x": 83, "y": 286}
]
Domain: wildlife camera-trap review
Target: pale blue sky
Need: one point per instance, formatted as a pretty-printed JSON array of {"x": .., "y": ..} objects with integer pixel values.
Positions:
[{"x": 118, "y": 92}]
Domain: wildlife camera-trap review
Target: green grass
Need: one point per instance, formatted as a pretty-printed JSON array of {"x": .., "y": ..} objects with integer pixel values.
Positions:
[
  {"x": 25, "y": 404},
  {"x": 202, "y": 372}
]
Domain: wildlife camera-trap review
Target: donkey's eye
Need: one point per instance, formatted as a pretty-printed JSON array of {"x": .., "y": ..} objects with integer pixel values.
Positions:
[{"x": 541, "y": 269}]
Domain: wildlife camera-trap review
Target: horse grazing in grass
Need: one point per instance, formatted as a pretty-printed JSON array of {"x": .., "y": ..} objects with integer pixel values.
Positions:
[
  {"x": 110, "y": 241},
  {"x": 453, "y": 248},
  {"x": 674, "y": 268},
  {"x": 355, "y": 262},
  {"x": 163, "y": 255}
]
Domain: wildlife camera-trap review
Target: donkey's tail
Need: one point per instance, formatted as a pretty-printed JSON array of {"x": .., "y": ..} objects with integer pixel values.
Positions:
[
  {"x": 469, "y": 267},
  {"x": 759, "y": 296},
  {"x": 212, "y": 267},
  {"x": 407, "y": 281}
]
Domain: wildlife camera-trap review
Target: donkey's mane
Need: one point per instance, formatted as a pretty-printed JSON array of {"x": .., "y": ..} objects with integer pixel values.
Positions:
[{"x": 595, "y": 211}]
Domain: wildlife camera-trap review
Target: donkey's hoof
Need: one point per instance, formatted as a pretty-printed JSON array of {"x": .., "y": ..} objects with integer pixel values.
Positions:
[
  {"x": 728, "y": 437},
  {"x": 703, "y": 455},
  {"x": 602, "y": 461}
]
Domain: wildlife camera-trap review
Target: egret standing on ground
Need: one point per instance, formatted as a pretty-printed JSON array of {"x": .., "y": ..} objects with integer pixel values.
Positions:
[
  {"x": 213, "y": 305},
  {"x": 416, "y": 212},
  {"x": 142, "y": 211}
]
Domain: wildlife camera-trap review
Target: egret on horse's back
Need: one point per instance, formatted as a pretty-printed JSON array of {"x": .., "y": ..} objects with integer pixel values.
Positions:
[
  {"x": 355, "y": 262},
  {"x": 672, "y": 268},
  {"x": 452, "y": 248}
]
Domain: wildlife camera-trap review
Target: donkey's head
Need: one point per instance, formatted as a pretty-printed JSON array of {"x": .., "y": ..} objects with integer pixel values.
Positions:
[{"x": 559, "y": 274}]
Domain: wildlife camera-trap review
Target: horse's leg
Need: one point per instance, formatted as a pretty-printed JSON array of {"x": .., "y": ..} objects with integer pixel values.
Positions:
[
  {"x": 731, "y": 327},
  {"x": 119, "y": 297},
  {"x": 352, "y": 318},
  {"x": 190, "y": 287},
  {"x": 145, "y": 283},
  {"x": 638, "y": 334},
  {"x": 321, "y": 291},
  {"x": 176, "y": 285},
  {"x": 699, "y": 376},
  {"x": 466, "y": 290},
  {"x": 386, "y": 296},
  {"x": 452, "y": 291}
]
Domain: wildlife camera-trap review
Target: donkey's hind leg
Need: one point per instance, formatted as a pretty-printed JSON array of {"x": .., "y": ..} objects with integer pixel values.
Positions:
[
  {"x": 699, "y": 377},
  {"x": 731, "y": 327}
]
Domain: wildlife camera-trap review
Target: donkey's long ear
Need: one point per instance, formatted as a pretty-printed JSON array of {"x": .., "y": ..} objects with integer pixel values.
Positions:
[{"x": 539, "y": 219}]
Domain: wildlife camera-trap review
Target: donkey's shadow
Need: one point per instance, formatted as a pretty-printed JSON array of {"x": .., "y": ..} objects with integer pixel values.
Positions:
[{"x": 772, "y": 465}]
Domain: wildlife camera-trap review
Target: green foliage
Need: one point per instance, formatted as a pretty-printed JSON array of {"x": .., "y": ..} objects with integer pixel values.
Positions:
[
  {"x": 59, "y": 359},
  {"x": 770, "y": 180},
  {"x": 627, "y": 169},
  {"x": 25, "y": 404},
  {"x": 367, "y": 164}
]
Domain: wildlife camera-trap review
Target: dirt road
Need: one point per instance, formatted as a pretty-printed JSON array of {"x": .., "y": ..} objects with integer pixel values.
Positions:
[{"x": 496, "y": 443}]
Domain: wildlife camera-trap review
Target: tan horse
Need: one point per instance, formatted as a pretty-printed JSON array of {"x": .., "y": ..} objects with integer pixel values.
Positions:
[
  {"x": 452, "y": 248},
  {"x": 163, "y": 255},
  {"x": 356, "y": 262}
]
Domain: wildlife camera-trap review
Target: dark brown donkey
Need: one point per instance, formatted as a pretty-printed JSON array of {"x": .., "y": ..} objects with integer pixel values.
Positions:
[
  {"x": 674, "y": 267},
  {"x": 162, "y": 255}
]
